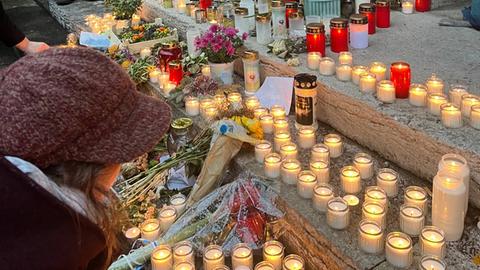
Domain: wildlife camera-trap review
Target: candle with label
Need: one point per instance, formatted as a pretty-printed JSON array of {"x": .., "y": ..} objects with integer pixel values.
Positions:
[
  {"x": 251, "y": 71},
  {"x": 288, "y": 151},
  {"x": 313, "y": 60},
  {"x": 306, "y": 137},
  {"x": 370, "y": 237},
  {"x": 183, "y": 252},
  {"x": 386, "y": 91},
  {"x": 432, "y": 263},
  {"x": 289, "y": 171},
  {"x": 364, "y": 163},
  {"x": 357, "y": 71},
  {"x": 335, "y": 145},
  {"x": 467, "y": 102},
  {"x": 192, "y": 106},
  {"x": 306, "y": 182},
  {"x": 451, "y": 116},
  {"x": 167, "y": 217},
  {"x": 280, "y": 125},
  {"x": 434, "y": 84},
  {"x": 422, "y": 5},
  {"x": 273, "y": 252},
  {"x": 376, "y": 194},
  {"x": 338, "y": 213},
  {"x": 351, "y": 200},
  {"x": 176, "y": 71},
  {"x": 320, "y": 151},
  {"x": 416, "y": 196},
  {"x": 315, "y": 40},
  {"x": 432, "y": 242},
  {"x": 418, "y": 95},
  {"x": 367, "y": 83},
  {"x": 435, "y": 101},
  {"x": 162, "y": 258},
  {"x": 213, "y": 257},
  {"x": 266, "y": 121},
  {"x": 412, "y": 219},
  {"x": 321, "y": 170},
  {"x": 262, "y": 148},
  {"x": 272, "y": 165},
  {"x": 150, "y": 229},
  {"x": 242, "y": 256},
  {"x": 327, "y": 66},
  {"x": 350, "y": 179},
  {"x": 387, "y": 179},
  {"x": 358, "y": 31},
  {"x": 293, "y": 262},
  {"x": 322, "y": 194},
  {"x": 456, "y": 92},
  {"x": 178, "y": 201},
  {"x": 375, "y": 212},
  {"x": 379, "y": 69},
  {"x": 400, "y": 76},
  {"x": 345, "y": 58},
  {"x": 280, "y": 139},
  {"x": 398, "y": 250},
  {"x": 475, "y": 116}
]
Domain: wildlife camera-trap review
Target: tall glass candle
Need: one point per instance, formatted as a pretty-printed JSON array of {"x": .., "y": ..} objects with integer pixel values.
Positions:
[
  {"x": 272, "y": 165},
  {"x": 163, "y": 79},
  {"x": 279, "y": 20},
  {"x": 321, "y": 169},
  {"x": 368, "y": 82},
  {"x": 451, "y": 116},
  {"x": 306, "y": 182},
  {"x": 357, "y": 71},
  {"x": 338, "y": 213},
  {"x": 257, "y": 112},
  {"x": 434, "y": 84},
  {"x": 467, "y": 102},
  {"x": 435, "y": 101},
  {"x": 327, "y": 66},
  {"x": 364, "y": 163},
  {"x": 338, "y": 35},
  {"x": 412, "y": 219},
  {"x": 321, "y": 152},
  {"x": 251, "y": 71},
  {"x": 431, "y": 263},
  {"x": 167, "y": 217},
  {"x": 305, "y": 93},
  {"x": 273, "y": 252},
  {"x": 316, "y": 38},
  {"x": 432, "y": 242},
  {"x": 379, "y": 69},
  {"x": 375, "y": 212},
  {"x": 170, "y": 51},
  {"x": 387, "y": 179},
  {"x": 280, "y": 125},
  {"x": 306, "y": 137},
  {"x": 322, "y": 194},
  {"x": 278, "y": 111},
  {"x": 179, "y": 202},
  {"x": 262, "y": 148},
  {"x": 242, "y": 255},
  {"x": 370, "y": 237},
  {"x": 213, "y": 257},
  {"x": 176, "y": 71},
  {"x": 398, "y": 250},
  {"x": 241, "y": 22},
  {"x": 289, "y": 151},
  {"x": 386, "y": 91},
  {"x": 400, "y": 76},
  {"x": 293, "y": 262},
  {"x": 422, "y": 5},
  {"x": 289, "y": 171},
  {"x": 475, "y": 116},
  {"x": 150, "y": 229},
  {"x": 416, "y": 196},
  {"x": 376, "y": 194},
  {"x": 280, "y": 139},
  {"x": 418, "y": 95},
  {"x": 383, "y": 13},
  {"x": 359, "y": 31},
  {"x": 455, "y": 94},
  {"x": 264, "y": 29},
  {"x": 368, "y": 9},
  {"x": 335, "y": 145},
  {"x": 266, "y": 121},
  {"x": 344, "y": 73},
  {"x": 290, "y": 7},
  {"x": 192, "y": 106},
  {"x": 191, "y": 35},
  {"x": 162, "y": 258},
  {"x": 456, "y": 166},
  {"x": 183, "y": 252},
  {"x": 350, "y": 179},
  {"x": 313, "y": 60}
]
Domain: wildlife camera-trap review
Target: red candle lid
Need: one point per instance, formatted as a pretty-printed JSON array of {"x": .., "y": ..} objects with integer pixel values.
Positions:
[
  {"x": 315, "y": 28},
  {"x": 338, "y": 23},
  {"x": 366, "y": 7}
]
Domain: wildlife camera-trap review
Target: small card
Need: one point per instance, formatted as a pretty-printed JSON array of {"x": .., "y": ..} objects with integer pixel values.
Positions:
[{"x": 276, "y": 91}]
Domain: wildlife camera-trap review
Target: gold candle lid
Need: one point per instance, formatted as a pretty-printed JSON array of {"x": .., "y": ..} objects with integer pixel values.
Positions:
[
  {"x": 358, "y": 19},
  {"x": 382, "y": 3},
  {"x": 265, "y": 17},
  {"x": 366, "y": 7},
  {"x": 169, "y": 45},
  {"x": 241, "y": 11},
  {"x": 315, "y": 28},
  {"x": 338, "y": 23},
  {"x": 278, "y": 4},
  {"x": 250, "y": 55}
]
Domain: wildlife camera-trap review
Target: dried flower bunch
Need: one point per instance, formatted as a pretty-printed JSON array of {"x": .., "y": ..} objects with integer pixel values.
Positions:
[{"x": 220, "y": 43}]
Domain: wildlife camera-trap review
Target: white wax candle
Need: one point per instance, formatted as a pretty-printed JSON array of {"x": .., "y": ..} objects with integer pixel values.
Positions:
[
  {"x": 344, "y": 73},
  {"x": 345, "y": 58},
  {"x": 167, "y": 217},
  {"x": 386, "y": 91},
  {"x": 242, "y": 256},
  {"x": 475, "y": 116},
  {"x": 357, "y": 71},
  {"x": 457, "y": 166},
  {"x": 289, "y": 151},
  {"x": 280, "y": 125},
  {"x": 398, "y": 250},
  {"x": 135, "y": 20},
  {"x": 191, "y": 35},
  {"x": 432, "y": 263},
  {"x": 234, "y": 98},
  {"x": 451, "y": 116},
  {"x": 273, "y": 253},
  {"x": 266, "y": 121},
  {"x": 467, "y": 102},
  {"x": 265, "y": 266},
  {"x": 262, "y": 148},
  {"x": 321, "y": 169},
  {"x": 432, "y": 242},
  {"x": 293, "y": 262},
  {"x": 290, "y": 170},
  {"x": 364, "y": 163},
  {"x": 412, "y": 219},
  {"x": 145, "y": 52},
  {"x": 306, "y": 182},
  {"x": 376, "y": 194},
  {"x": 350, "y": 178},
  {"x": 206, "y": 71},
  {"x": 210, "y": 112},
  {"x": 370, "y": 237},
  {"x": 178, "y": 201},
  {"x": 150, "y": 229},
  {"x": 338, "y": 213},
  {"x": 280, "y": 139},
  {"x": 367, "y": 82},
  {"x": 375, "y": 212},
  {"x": 257, "y": 112},
  {"x": 327, "y": 66},
  {"x": 162, "y": 258},
  {"x": 252, "y": 103},
  {"x": 192, "y": 106},
  {"x": 183, "y": 252},
  {"x": 379, "y": 69},
  {"x": 306, "y": 137},
  {"x": 434, "y": 85},
  {"x": 335, "y": 144},
  {"x": 455, "y": 94},
  {"x": 184, "y": 266},
  {"x": 153, "y": 75},
  {"x": 320, "y": 152},
  {"x": 322, "y": 194},
  {"x": 351, "y": 200},
  {"x": 416, "y": 196},
  {"x": 272, "y": 165},
  {"x": 418, "y": 95},
  {"x": 387, "y": 179},
  {"x": 163, "y": 79},
  {"x": 278, "y": 111},
  {"x": 204, "y": 104},
  {"x": 435, "y": 101},
  {"x": 213, "y": 257},
  {"x": 313, "y": 60},
  {"x": 407, "y": 7},
  {"x": 132, "y": 233}
]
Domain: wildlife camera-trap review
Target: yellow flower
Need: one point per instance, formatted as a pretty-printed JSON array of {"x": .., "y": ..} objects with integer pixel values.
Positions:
[
  {"x": 253, "y": 126},
  {"x": 125, "y": 64},
  {"x": 112, "y": 49},
  {"x": 150, "y": 68}
]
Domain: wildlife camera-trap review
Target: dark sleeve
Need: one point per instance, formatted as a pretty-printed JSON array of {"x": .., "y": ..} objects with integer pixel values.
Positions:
[{"x": 9, "y": 33}]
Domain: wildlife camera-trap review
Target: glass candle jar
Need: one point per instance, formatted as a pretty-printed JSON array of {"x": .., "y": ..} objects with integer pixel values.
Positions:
[
  {"x": 289, "y": 171},
  {"x": 338, "y": 213},
  {"x": 204, "y": 4},
  {"x": 435, "y": 101},
  {"x": 407, "y": 7},
  {"x": 356, "y": 72},
  {"x": 416, "y": 196},
  {"x": 451, "y": 116},
  {"x": 290, "y": 7},
  {"x": 162, "y": 258},
  {"x": 422, "y": 5},
  {"x": 350, "y": 179},
  {"x": 359, "y": 31},
  {"x": 379, "y": 69},
  {"x": 150, "y": 229},
  {"x": 386, "y": 91},
  {"x": 399, "y": 250},
  {"x": 306, "y": 182},
  {"x": 321, "y": 169},
  {"x": 293, "y": 262},
  {"x": 305, "y": 100},
  {"x": 316, "y": 38},
  {"x": 434, "y": 84},
  {"x": 289, "y": 151},
  {"x": 345, "y": 58},
  {"x": 364, "y": 163},
  {"x": 262, "y": 149},
  {"x": 264, "y": 29},
  {"x": 376, "y": 194},
  {"x": 272, "y": 163},
  {"x": 176, "y": 71},
  {"x": 467, "y": 102},
  {"x": 338, "y": 35},
  {"x": 280, "y": 125},
  {"x": 418, "y": 95},
  {"x": 370, "y": 237},
  {"x": 251, "y": 71},
  {"x": 456, "y": 92},
  {"x": 178, "y": 201},
  {"x": 457, "y": 166},
  {"x": 400, "y": 76},
  {"x": 382, "y": 13},
  {"x": 368, "y": 82},
  {"x": 201, "y": 15},
  {"x": 431, "y": 263},
  {"x": 432, "y": 242},
  {"x": 412, "y": 219},
  {"x": 313, "y": 60},
  {"x": 278, "y": 111},
  {"x": 213, "y": 257},
  {"x": 322, "y": 193},
  {"x": 344, "y": 72},
  {"x": 351, "y": 200},
  {"x": 170, "y": 51},
  {"x": 335, "y": 145},
  {"x": 387, "y": 179},
  {"x": 273, "y": 252},
  {"x": 242, "y": 255},
  {"x": 475, "y": 116},
  {"x": 183, "y": 252},
  {"x": 296, "y": 23},
  {"x": 368, "y": 9},
  {"x": 250, "y": 6},
  {"x": 251, "y": 103},
  {"x": 320, "y": 151},
  {"x": 375, "y": 212},
  {"x": 257, "y": 112},
  {"x": 266, "y": 121},
  {"x": 234, "y": 98},
  {"x": 306, "y": 137},
  {"x": 279, "y": 20},
  {"x": 326, "y": 66},
  {"x": 167, "y": 217},
  {"x": 190, "y": 9},
  {"x": 241, "y": 23}
]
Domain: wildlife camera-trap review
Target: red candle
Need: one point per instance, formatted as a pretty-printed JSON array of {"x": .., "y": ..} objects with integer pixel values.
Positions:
[
  {"x": 339, "y": 35},
  {"x": 383, "y": 13},
  {"x": 176, "y": 72},
  {"x": 422, "y": 5},
  {"x": 204, "y": 4},
  {"x": 170, "y": 51},
  {"x": 290, "y": 7},
  {"x": 400, "y": 76},
  {"x": 368, "y": 10},
  {"x": 316, "y": 38}
]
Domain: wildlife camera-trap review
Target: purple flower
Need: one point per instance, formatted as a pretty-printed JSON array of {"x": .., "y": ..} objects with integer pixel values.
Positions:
[
  {"x": 230, "y": 48},
  {"x": 230, "y": 32},
  {"x": 245, "y": 36},
  {"x": 214, "y": 28}
]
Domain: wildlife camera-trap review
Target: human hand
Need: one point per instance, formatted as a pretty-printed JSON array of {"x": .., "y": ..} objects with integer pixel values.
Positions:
[{"x": 30, "y": 47}]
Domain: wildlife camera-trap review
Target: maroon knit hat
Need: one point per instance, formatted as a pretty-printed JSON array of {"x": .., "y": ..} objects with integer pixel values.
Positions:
[{"x": 76, "y": 105}]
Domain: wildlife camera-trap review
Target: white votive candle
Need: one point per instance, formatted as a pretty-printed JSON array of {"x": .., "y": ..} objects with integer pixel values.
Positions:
[
  {"x": 370, "y": 237},
  {"x": 153, "y": 75},
  {"x": 386, "y": 91},
  {"x": 167, "y": 217},
  {"x": 280, "y": 125},
  {"x": 213, "y": 257},
  {"x": 262, "y": 148},
  {"x": 272, "y": 165},
  {"x": 322, "y": 194},
  {"x": 132, "y": 234},
  {"x": 192, "y": 106},
  {"x": 338, "y": 213},
  {"x": 251, "y": 103},
  {"x": 273, "y": 252},
  {"x": 418, "y": 95},
  {"x": 351, "y": 200},
  {"x": 145, "y": 52},
  {"x": 178, "y": 201},
  {"x": 327, "y": 66},
  {"x": 398, "y": 250},
  {"x": 257, "y": 112},
  {"x": 289, "y": 171},
  {"x": 432, "y": 263},
  {"x": 234, "y": 98},
  {"x": 265, "y": 266},
  {"x": 163, "y": 79},
  {"x": 210, "y": 112},
  {"x": 306, "y": 182},
  {"x": 293, "y": 262},
  {"x": 467, "y": 102},
  {"x": 379, "y": 69},
  {"x": 451, "y": 116},
  {"x": 184, "y": 266},
  {"x": 183, "y": 252},
  {"x": 364, "y": 163},
  {"x": 266, "y": 121},
  {"x": 416, "y": 196},
  {"x": 350, "y": 178},
  {"x": 289, "y": 151},
  {"x": 434, "y": 84},
  {"x": 242, "y": 256},
  {"x": 306, "y": 137},
  {"x": 204, "y": 104},
  {"x": 432, "y": 242},
  {"x": 456, "y": 92},
  {"x": 320, "y": 151},
  {"x": 206, "y": 71},
  {"x": 387, "y": 179},
  {"x": 345, "y": 58},
  {"x": 150, "y": 229},
  {"x": 280, "y": 139},
  {"x": 335, "y": 145},
  {"x": 435, "y": 101},
  {"x": 357, "y": 71},
  {"x": 407, "y": 7},
  {"x": 313, "y": 60},
  {"x": 367, "y": 83},
  {"x": 376, "y": 194},
  {"x": 375, "y": 212},
  {"x": 162, "y": 258},
  {"x": 344, "y": 73},
  {"x": 169, "y": 87},
  {"x": 321, "y": 169},
  {"x": 475, "y": 116},
  {"x": 412, "y": 219},
  {"x": 278, "y": 111}
]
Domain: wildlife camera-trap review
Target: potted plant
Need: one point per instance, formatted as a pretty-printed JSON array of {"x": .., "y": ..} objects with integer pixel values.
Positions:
[
  {"x": 123, "y": 10},
  {"x": 220, "y": 44}
]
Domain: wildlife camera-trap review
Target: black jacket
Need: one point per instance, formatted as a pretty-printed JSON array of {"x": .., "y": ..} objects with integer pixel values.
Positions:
[{"x": 9, "y": 33}]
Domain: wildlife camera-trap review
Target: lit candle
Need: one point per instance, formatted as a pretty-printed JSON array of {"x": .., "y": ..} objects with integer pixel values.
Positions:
[
  {"x": 167, "y": 217},
  {"x": 290, "y": 170},
  {"x": 184, "y": 266},
  {"x": 418, "y": 95},
  {"x": 338, "y": 213},
  {"x": 412, "y": 219},
  {"x": 288, "y": 151},
  {"x": 451, "y": 116},
  {"x": 344, "y": 73},
  {"x": 432, "y": 241},
  {"x": 379, "y": 69},
  {"x": 272, "y": 165},
  {"x": 370, "y": 237},
  {"x": 345, "y": 58},
  {"x": 457, "y": 166},
  {"x": 435, "y": 101},
  {"x": 335, "y": 144},
  {"x": 376, "y": 194},
  {"x": 262, "y": 148},
  {"x": 278, "y": 111},
  {"x": 266, "y": 121},
  {"x": 313, "y": 60},
  {"x": 351, "y": 200},
  {"x": 169, "y": 87},
  {"x": 153, "y": 75},
  {"x": 475, "y": 116},
  {"x": 161, "y": 258},
  {"x": 306, "y": 137},
  {"x": 398, "y": 250},
  {"x": 387, "y": 179},
  {"x": 432, "y": 263},
  {"x": 293, "y": 262},
  {"x": 400, "y": 76},
  {"x": 280, "y": 139},
  {"x": 206, "y": 71},
  {"x": 416, "y": 196},
  {"x": 259, "y": 112},
  {"x": 204, "y": 104},
  {"x": 273, "y": 253},
  {"x": 407, "y": 7},
  {"x": 150, "y": 229},
  {"x": 213, "y": 257},
  {"x": 252, "y": 103},
  {"x": 265, "y": 266},
  {"x": 375, "y": 212},
  {"x": 306, "y": 182},
  {"x": 350, "y": 177},
  {"x": 321, "y": 170},
  {"x": 163, "y": 79},
  {"x": 322, "y": 194},
  {"x": 280, "y": 125},
  {"x": 132, "y": 234},
  {"x": 135, "y": 20},
  {"x": 434, "y": 84},
  {"x": 455, "y": 94},
  {"x": 210, "y": 112},
  {"x": 467, "y": 102},
  {"x": 145, "y": 52},
  {"x": 386, "y": 91},
  {"x": 242, "y": 256},
  {"x": 183, "y": 252},
  {"x": 327, "y": 66},
  {"x": 320, "y": 151},
  {"x": 192, "y": 106},
  {"x": 234, "y": 98},
  {"x": 367, "y": 82},
  {"x": 364, "y": 163},
  {"x": 357, "y": 71},
  {"x": 178, "y": 201}
]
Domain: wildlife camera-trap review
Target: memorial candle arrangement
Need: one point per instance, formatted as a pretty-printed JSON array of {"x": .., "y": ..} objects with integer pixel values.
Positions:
[
  {"x": 280, "y": 139},
  {"x": 183, "y": 252},
  {"x": 338, "y": 213},
  {"x": 150, "y": 229},
  {"x": 262, "y": 149},
  {"x": 475, "y": 116},
  {"x": 383, "y": 13},
  {"x": 162, "y": 258},
  {"x": 213, "y": 257},
  {"x": 368, "y": 10},
  {"x": 368, "y": 83},
  {"x": 344, "y": 72},
  {"x": 358, "y": 31},
  {"x": 467, "y": 102},
  {"x": 316, "y": 38},
  {"x": 400, "y": 76},
  {"x": 370, "y": 237},
  {"x": 455, "y": 94},
  {"x": 375, "y": 212},
  {"x": 306, "y": 182},
  {"x": 418, "y": 95},
  {"x": 305, "y": 91},
  {"x": 242, "y": 255},
  {"x": 272, "y": 164},
  {"x": 387, "y": 179},
  {"x": 273, "y": 252},
  {"x": 322, "y": 194},
  {"x": 412, "y": 219},
  {"x": 289, "y": 171},
  {"x": 364, "y": 163},
  {"x": 339, "y": 35},
  {"x": 435, "y": 101},
  {"x": 321, "y": 169},
  {"x": 357, "y": 71},
  {"x": 350, "y": 179},
  {"x": 251, "y": 71},
  {"x": 432, "y": 242},
  {"x": 386, "y": 91},
  {"x": 266, "y": 121},
  {"x": 399, "y": 250},
  {"x": 379, "y": 69},
  {"x": 327, "y": 66},
  {"x": 451, "y": 116}
]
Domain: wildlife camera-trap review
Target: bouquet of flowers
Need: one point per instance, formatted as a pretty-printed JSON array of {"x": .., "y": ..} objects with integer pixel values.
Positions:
[
  {"x": 220, "y": 43},
  {"x": 144, "y": 32}
]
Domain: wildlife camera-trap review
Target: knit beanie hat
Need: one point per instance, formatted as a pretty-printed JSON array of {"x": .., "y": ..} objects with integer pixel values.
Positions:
[{"x": 75, "y": 104}]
